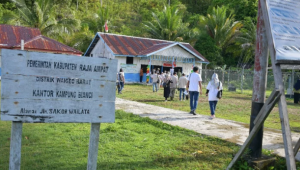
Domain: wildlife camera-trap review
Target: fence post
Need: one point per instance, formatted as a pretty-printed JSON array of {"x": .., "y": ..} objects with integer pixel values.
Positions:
[
  {"x": 228, "y": 77},
  {"x": 293, "y": 79},
  {"x": 205, "y": 73},
  {"x": 242, "y": 78},
  {"x": 223, "y": 71}
]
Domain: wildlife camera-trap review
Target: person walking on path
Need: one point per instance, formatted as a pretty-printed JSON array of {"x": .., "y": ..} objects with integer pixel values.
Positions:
[
  {"x": 141, "y": 75},
  {"x": 212, "y": 89},
  {"x": 167, "y": 82},
  {"x": 121, "y": 79},
  {"x": 193, "y": 86},
  {"x": 297, "y": 92},
  {"x": 159, "y": 80},
  {"x": 155, "y": 81},
  {"x": 179, "y": 74},
  {"x": 182, "y": 86},
  {"x": 173, "y": 85}
]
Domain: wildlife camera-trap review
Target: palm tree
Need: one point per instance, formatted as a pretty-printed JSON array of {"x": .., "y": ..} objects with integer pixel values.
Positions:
[
  {"x": 220, "y": 26},
  {"x": 41, "y": 14},
  {"x": 97, "y": 21},
  {"x": 167, "y": 25},
  {"x": 247, "y": 41},
  {"x": 81, "y": 39}
]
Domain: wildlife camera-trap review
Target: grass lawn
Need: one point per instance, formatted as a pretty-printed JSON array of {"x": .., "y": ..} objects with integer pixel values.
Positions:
[
  {"x": 233, "y": 106},
  {"x": 130, "y": 143}
]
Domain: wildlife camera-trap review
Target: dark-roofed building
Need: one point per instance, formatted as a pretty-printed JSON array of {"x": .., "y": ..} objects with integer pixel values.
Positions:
[
  {"x": 11, "y": 36},
  {"x": 134, "y": 53}
]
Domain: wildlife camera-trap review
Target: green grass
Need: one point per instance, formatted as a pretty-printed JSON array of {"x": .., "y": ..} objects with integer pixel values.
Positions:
[
  {"x": 233, "y": 106},
  {"x": 130, "y": 143}
]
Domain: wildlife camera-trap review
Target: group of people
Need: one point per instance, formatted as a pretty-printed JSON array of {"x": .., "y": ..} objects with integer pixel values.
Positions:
[{"x": 188, "y": 86}]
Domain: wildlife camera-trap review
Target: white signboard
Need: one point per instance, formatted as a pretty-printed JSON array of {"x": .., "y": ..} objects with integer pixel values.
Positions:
[
  {"x": 44, "y": 87},
  {"x": 285, "y": 25},
  {"x": 130, "y": 68}
]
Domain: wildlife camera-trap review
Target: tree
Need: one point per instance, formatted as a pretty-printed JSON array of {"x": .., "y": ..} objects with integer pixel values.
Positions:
[
  {"x": 167, "y": 25},
  {"x": 246, "y": 42},
  {"x": 220, "y": 26},
  {"x": 241, "y": 8},
  {"x": 41, "y": 15},
  {"x": 96, "y": 22},
  {"x": 207, "y": 47},
  {"x": 81, "y": 39}
]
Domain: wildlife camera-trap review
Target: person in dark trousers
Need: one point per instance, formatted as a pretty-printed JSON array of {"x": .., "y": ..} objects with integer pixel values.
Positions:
[
  {"x": 141, "y": 75},
  {"x": 193, "y": 86},
  {"x": 212, "y": 89},
  {"x": 173, "y": 85},
  {"x": 121, "y": 79},
  {"x": 297, "y": 92},
  {"x": 167, "y": 82},
  {"x": 182, "y": 86}
]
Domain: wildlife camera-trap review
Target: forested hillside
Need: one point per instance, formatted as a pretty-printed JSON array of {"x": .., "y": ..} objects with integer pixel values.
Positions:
[{"x": 222, "y": 30}]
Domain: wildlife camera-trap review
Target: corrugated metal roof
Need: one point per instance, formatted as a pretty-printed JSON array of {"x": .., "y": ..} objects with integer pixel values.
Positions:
[
  {"x": 137, "y": 46},
  {"x": 11, "y": 36}
]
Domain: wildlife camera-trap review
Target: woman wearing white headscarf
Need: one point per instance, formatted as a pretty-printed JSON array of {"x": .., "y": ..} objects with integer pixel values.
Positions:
[{"x": 213, "y": 87}]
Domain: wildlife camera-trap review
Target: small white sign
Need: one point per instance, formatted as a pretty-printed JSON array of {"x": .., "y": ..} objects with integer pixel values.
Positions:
[
  {"x": 130, "y": 68},
  {"x": 284, "y": 18},
  {"x": 48, "y": 88}
]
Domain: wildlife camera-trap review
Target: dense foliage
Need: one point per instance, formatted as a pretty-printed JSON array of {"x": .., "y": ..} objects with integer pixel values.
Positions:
[{"x": 222, "y": 30}]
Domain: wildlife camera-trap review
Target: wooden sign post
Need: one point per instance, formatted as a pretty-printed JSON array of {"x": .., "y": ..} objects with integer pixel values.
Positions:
[
  {"x": 281, "y": 20},
  {"x": 51, "y": 88}
]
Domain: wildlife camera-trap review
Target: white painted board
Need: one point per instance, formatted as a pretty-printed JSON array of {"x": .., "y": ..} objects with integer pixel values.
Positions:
[
  {"x": 284, "y": 18},
  {"x": 44, "y": 87}
]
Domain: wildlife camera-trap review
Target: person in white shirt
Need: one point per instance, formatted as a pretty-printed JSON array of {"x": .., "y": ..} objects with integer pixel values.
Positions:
[
  {"x": 212, "y": 89},
  {"x": 155, "y": 82},
  {"x": 172, "y": 71},
  {"x": 159, "y": 80},
  {"x": 193, "y": 86},
  {"x": 182, "y": 85},
  {"x": 121, "y": 79}
]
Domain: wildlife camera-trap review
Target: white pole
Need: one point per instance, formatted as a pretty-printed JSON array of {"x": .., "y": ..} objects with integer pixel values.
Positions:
[
  {"x": 242, "y": 78},
  {"x": 205, "y": 74},
  {"x": 15, "y": 146},
  {"x": 228, "y": 77},
  {"x": 22, "y": 44},
  {"x": 292, "y": 81},
  {"x": 16, "y": 141},
  {"x": 93, "y": 147}
]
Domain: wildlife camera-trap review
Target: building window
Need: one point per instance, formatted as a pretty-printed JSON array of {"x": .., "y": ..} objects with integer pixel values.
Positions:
[{"x": 129, "y": 60}]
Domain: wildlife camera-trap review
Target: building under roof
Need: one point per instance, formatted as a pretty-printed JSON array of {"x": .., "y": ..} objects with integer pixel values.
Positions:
[
  {"x": 11, "y": 36},
  {"x": 135, "y": 53}
]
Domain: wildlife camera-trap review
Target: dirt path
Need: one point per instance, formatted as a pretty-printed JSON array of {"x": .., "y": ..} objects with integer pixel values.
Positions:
[{"x": 225, "y": 129}]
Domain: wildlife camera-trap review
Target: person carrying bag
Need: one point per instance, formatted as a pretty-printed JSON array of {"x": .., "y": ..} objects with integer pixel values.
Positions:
[{"x": 214, "y": 92}]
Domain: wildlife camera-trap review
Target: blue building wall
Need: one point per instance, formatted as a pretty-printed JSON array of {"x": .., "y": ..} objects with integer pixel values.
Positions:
[{"x": 134, "y": 77}]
